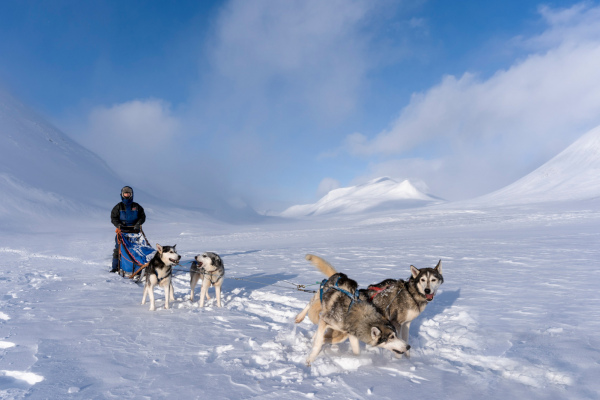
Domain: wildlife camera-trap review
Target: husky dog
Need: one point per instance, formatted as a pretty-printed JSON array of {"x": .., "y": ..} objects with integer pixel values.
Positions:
[
  {"x": 158, "y": 272},
  {"x": 402, "y": 301},
  {"x": 341, "y": 310},
  {"x": 208, "y": 268}
]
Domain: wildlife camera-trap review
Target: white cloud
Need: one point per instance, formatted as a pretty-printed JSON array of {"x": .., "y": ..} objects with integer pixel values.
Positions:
[
  {"x": 307, "y": 54},
  {"x": 487, "y": 132},
  {"x": 145, "y": 124},
  {"x": 568, "y": 26},
  {"x": 138, "y": 139}
]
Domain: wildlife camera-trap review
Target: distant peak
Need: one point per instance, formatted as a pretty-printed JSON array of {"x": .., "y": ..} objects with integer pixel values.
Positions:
[{"x": 378, "y": 194}]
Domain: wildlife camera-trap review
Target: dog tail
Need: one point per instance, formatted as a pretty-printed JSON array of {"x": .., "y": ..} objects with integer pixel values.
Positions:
[{"x": 321, "y": 265}]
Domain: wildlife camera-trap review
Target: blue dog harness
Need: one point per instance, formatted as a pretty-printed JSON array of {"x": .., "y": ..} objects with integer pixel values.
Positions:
[
  {"x": 164, "y": 277},
  {"x": 353, "y": 297}
]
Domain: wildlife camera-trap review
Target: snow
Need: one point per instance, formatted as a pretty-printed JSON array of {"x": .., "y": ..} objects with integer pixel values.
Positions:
[
  {"x": 35, "y": 157},
  {"x": 376, "y": 195},
  {"x": 571, "y": 175},
  {"x": 45, "y": 176},
  {"x": 517, "y": 315}
]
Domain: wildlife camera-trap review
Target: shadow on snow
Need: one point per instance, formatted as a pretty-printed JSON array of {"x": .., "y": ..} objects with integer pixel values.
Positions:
[
  {"x": 441, "y": 303},
  {"x": 259, "y": 281}
]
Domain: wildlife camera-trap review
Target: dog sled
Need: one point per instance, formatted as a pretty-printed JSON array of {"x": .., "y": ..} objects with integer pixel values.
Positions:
[{"x": 135, "y": 251}]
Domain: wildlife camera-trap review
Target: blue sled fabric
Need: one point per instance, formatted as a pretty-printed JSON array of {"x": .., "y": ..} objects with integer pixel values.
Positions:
[{"x": 139, "y": 249}]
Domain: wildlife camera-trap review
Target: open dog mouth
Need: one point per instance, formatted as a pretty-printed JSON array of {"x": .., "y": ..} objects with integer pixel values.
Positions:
[
  {"x": 429, "y": 297},
  {"x": 174, "y": 260}
]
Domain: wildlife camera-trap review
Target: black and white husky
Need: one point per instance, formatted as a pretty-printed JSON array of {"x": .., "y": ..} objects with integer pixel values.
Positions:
[
  {"x": 402, "y": 301},
  {"x": 337, "y": 308},
  {"x": 159, "y": 272},
  {"x": 209, "y": 269}
]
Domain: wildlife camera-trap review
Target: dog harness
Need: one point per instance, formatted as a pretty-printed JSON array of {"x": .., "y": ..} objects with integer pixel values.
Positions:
[
  {"x": 353, "y": 297},
  {"x": 164, "y": 277},
  {"x": 202, "y": 270},
  {"x": 377, "y": 290}
]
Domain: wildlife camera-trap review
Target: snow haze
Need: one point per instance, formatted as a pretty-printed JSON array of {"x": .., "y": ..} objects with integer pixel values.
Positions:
[{"x": 44, "y": 173}]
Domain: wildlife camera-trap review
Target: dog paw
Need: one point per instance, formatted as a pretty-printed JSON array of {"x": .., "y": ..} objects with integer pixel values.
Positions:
[
  {"x": 152, "y": 308},
  {"x": 298, "y": 319}
]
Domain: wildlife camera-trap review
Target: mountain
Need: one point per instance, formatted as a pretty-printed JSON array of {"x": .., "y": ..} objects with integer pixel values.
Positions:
[
  {"x": 574, "y": 174},
  {"x": 376, "y": 195},
  {"x": 44, "y": 172}
]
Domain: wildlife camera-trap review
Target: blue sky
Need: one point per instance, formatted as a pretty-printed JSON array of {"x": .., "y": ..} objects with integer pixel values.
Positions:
[{"x": 271, "y": 103}]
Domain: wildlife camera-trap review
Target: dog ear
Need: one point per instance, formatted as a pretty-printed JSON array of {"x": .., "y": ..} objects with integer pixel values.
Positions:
[
  {"x": 159, "y": 248},
  {"x": 174, "y": 246},
  {"x": 414, "y": 271},
  {"x": 375, "y": 333},
  {"x": 438, "y": 267}
]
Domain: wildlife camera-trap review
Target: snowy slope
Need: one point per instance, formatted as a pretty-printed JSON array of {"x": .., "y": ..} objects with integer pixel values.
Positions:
[
  {"x": 45, "y": 175},
  {"x": 375, "y": 195},
  {"x": 574, "y": 174},
  {"x": 41, "y": 165}
]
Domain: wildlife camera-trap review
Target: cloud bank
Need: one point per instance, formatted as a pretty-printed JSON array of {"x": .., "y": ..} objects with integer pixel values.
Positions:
[
  {"x": 483, "y": 133},
  {"x": 279, "y": 83},
  {"x": 270, "y": 76},
  {"x": 310, "y": 55}
]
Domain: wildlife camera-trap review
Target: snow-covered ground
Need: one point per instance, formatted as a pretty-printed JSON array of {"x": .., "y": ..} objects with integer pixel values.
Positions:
[{"x": 517, "y": 317}]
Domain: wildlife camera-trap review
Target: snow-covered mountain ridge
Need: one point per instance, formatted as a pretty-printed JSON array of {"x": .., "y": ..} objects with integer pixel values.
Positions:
[
  {"x": 36, "y": 158},
  {"x": 573, "y": 174},
  {"x": 376, "y": 195}
]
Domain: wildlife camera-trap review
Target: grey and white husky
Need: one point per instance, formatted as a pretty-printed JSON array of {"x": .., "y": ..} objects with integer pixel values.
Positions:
[
  {"x": 159, "y": 272},
  {"x": 402, "y": 301},
  {"x": 209, "y": 269},
  {"x": 339, "y": 309}
]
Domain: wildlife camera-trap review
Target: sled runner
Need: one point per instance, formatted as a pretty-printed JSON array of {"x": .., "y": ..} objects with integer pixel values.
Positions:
[{"x": 134, "y": 251}]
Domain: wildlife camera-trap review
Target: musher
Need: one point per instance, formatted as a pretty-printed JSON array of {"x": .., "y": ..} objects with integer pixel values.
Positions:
[{"x": 126, "y": 214}]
